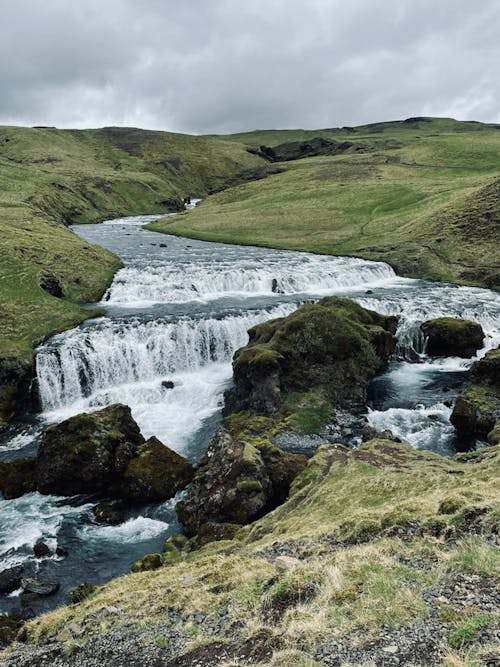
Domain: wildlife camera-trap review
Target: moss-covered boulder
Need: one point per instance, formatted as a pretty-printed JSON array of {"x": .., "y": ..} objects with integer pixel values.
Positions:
[
  {"x": 110, "y": 512},
  {"x": 87, "y": 453},
  {"x": 17, "y": 477},
  {"x": 334, "y": 344},
  {"x": 476, "y": 413},
  {"x": 155, "y": 473},
  {"x": 236, "y": 482},
  {"x": 452, "y": 337},
  {"x": 147, "y": 563}
]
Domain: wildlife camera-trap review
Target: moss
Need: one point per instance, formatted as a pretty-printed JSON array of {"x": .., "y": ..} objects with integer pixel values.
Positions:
[
  {"x": 147, "y": 563},
  {"x": 468, "y": 632}
]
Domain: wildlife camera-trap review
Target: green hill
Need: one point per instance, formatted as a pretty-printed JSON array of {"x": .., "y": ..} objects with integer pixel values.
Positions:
[
  {"x": 423, "y": 195},
  {"x": 50, "y": 178}
]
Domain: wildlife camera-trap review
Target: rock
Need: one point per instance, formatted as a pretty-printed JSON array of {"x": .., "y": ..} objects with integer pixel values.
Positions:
[
  {"x": 17, "y": 477},
  {"x": 156, "y": 473},
  {"x": 286, "y": 563},
  {"x": 167, "y": 384},
  {"x": 487, "y": 369},
  {"x": 371, "y": 433},
  {"x": 52, "y": 286},
  {"x": 87, "y": 453},
  {"x": 110, "y": 512},
  {"x": 334, "y": 344},
  {"x": 10, "y": 579},
  {"x": 81, "y": 592},
  {"x": 390, "y": 649},
  {"x": 236, "y": 482},
  {"x": 62, "y": 552},
  {"x": 475, "y": 414},
  {"x": 452, "y": 337},
  {"x": 10, "y": 624},
  {"x": 39, "y": 586},
  {"x": 295, "y": 150},
  {"x": 15, "y": 375},
  {"x": 163, "y": 245},
  {"x": 147, "y": 563},
  {"x": 41, "y": 549}
]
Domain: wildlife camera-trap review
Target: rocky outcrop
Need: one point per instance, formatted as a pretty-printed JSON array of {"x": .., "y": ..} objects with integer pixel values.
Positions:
[
  {"x": 476, "y": 413},
  {"x": 295, "y": 150},
  {"x": 105, "y": 452},
  {"x": 15, "y": 374},
  {"x": 87, "y": 453},
  {"x": 155, "y": 473},
  {"x": 335, "y": 344},
  {"x": 237, "y": 482},
  {"x": 452, "y": 337},
  {"x": 17, "y": 477}
]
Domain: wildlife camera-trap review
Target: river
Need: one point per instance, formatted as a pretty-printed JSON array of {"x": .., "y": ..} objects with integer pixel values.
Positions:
[{"x": 175, "y": 314}]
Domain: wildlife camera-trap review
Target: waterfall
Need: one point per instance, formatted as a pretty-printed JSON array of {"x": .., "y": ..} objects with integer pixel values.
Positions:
[
  {"x": 285, "y": 273},
  {"x": 107, "y": 354}
]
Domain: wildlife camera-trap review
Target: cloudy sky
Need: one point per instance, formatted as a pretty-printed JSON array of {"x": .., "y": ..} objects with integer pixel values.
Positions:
[{"x": 203, "y": 66}]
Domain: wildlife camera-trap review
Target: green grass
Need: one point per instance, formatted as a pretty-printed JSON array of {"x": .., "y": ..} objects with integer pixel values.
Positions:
[
  {"x": 52, "y": 177},
  {"x": 428, "y": 206},
  {"x": 349, "y": 583}
]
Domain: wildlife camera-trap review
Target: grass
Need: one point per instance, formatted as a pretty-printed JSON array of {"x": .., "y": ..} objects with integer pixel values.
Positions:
[
  {"x": 348, "y": 583},
  {"x": 50, "y": 178},
  {"x": 422, "y": 196}
]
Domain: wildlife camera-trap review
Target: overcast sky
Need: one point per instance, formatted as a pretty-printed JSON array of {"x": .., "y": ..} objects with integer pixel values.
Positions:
[{"x": 204, "y": 66}]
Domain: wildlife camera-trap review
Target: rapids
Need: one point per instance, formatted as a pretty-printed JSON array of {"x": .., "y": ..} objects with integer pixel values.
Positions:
[{"x": 176, "y": 313}]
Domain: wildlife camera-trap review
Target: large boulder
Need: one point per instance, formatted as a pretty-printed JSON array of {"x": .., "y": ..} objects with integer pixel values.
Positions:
[
  {"x": 452, "y": 337},
  {"x": 87, "y": 453},
  {"x": 10, "y": 579},
  {"x": 155, "y": 473},
  {"x": 17, "y": 477},
  {"x": 334, "y": 344},
  {"x": 237, "y": 482},
  {"x": 476, "y": 413}
]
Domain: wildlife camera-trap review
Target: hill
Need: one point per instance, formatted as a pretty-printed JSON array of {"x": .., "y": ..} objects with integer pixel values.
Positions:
[
  {"x": 421, "y": 194},
  {"x": 51, "y": 178}
]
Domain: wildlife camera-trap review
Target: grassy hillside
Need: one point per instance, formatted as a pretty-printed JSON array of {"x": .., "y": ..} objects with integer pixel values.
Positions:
[
  {"x": 50, "y": 178},
  {"x": 423, "y": 195},
  {"x": 406, "y": 566}
]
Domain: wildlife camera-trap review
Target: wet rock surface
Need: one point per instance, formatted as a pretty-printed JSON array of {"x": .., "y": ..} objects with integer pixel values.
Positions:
[{"x": 452, "y": 337}]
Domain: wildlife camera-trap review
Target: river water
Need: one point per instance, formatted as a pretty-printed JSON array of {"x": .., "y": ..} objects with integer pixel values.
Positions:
[{"x": 176, "y": 314}]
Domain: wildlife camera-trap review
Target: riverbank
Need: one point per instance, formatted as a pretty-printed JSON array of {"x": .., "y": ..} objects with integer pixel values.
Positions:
[
  {"x": 422, "y": 196},
  {"x": 403, "y": 571}
]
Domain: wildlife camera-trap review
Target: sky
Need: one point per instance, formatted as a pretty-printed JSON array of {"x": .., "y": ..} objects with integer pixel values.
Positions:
[{"x": 220, "y": 66}]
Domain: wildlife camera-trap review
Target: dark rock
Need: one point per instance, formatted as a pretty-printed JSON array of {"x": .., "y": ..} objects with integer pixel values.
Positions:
[
  {"x": 156, "y": 473},
  {"x": 173, "y": 204},
  {"x": 62, "y": 552},
  {"x": 163, "y": 245},
  {"x": 448, "y": 336},
  {"x": 87, "y": 453},
  {"x": 10, "y": 624},
  {"x": 81, "y": 592},
  {"x": 17, "y": 477},
  {"x": 334, "y": 344},
  {"x": 52, "y": 285},
  {"x": 167, "y": 384},
  {"x": 295, "y": 150},
  {"x": 237, "y": 482},
  {"x": 10, "y": 579},
  {"x": 110, "y": 512},
  {"x": 41, "y": 549},
  {"x": 371, "y": 433},
  {"x": 39, "y": 586},
  {"x": 487, "y": 369},
  {"x": 15, "y": 376}
]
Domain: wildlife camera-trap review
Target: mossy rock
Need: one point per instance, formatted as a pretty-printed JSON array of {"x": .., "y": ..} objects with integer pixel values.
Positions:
[
  {"x": 236, "y": 482},
  {"x": 110, "y": 512},
  {"x": 147, "y": 563},
  {"x": 17, "y": 477},
  {"x": 487, "y": 369},
  {"x": 81, "y": 592},
  {"x": 452, "y": 337},
  {"x": 87, "y": 453},
  {"x": 334, "y": 344},
  {"x": 156, "y": 473}
]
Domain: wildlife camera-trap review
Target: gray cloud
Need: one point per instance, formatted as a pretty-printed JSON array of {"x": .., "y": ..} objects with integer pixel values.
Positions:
[{"x": 224, "y": 66}]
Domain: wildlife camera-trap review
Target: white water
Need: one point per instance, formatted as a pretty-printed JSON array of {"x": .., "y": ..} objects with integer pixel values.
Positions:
[{"x": 177, "y": 314}]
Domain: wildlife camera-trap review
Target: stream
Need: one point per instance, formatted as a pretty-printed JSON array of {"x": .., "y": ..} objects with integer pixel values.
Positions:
[{"x": 174, "y": 317}]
